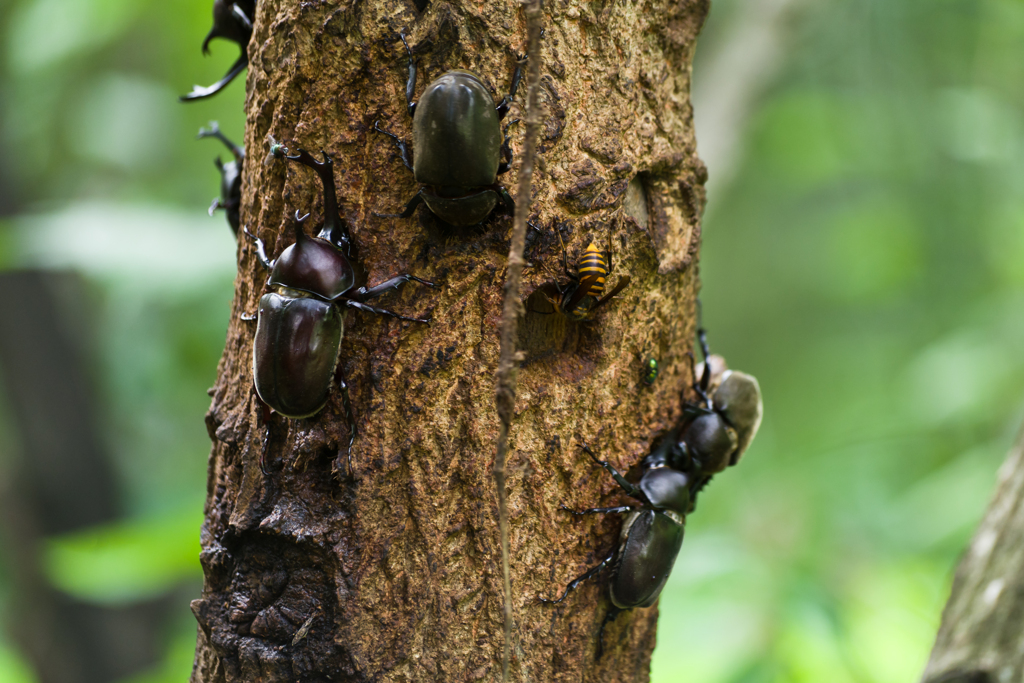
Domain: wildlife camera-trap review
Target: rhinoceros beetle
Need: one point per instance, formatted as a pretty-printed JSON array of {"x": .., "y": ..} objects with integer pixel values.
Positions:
[
  {"x": 232, "y": 20},
  {"x": 710, "y": 436},
  {"x": 301, "y": 316},
  {"x": 460, "y": 147},
  {"x": 230, "y": 177},
  {"x": 719, "y": 428}
]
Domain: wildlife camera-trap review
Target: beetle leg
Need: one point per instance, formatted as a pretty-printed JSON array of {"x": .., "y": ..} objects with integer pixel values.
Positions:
[
  {"x": 702, "y": 339},
  {"x": 580, "y": 579},
  {"x": 506, "y": 199},
  {"x": 364, "y": 294},
  {"x": 619, "y": 479},
  {"x": 408, "y": 211},
  {"x": 239, "y": 14},
  {"x": 565, "y": 256},
  {"x": 691, "y": 410},
  {"x": 263, "y": 420},
  {"x": 349, "y": 416},
  {"x": 609, "y": 252},
  {"x": 214, "y": 132},
  {"x": 688, "y": 407},
  {"x": 247, "y": 317},
  {"x": 599, "y": 511},
  {"x": 506, "y": 150},
  {"x": 697, "y": 487},
  {"x": 373, "y": 309},
  {"x": 215, "y": 205},
  {"x": 517, "y": 76},
  {"x": 613, "y": 612},
  {"x": 403, "y": 147},
  {"x": 199, "y": 92},
  {"x": 263, "y": 453},
  {"x": 261, "y": 252},
  {"x": 410, "y": 85}
]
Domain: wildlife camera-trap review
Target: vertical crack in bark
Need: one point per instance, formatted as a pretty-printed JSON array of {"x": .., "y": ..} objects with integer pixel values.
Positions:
[{"x": 505, "y": 393}]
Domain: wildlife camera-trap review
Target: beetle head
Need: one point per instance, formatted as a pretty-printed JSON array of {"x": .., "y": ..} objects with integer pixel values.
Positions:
[
  {"x": 667, "y": 488},
  {"x": 709, "y": 440},
  {"x": 314, "y": 266}
]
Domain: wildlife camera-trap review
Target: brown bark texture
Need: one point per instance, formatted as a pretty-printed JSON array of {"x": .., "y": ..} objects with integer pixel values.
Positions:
[
  {"x": 393, "y": 572},
  {"x": 981, "y": 639}
]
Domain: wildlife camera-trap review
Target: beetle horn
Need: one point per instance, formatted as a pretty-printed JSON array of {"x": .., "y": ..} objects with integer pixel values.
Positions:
[
  {"x": 209, "y": 36},
  {"x": 300, "y": 234}
]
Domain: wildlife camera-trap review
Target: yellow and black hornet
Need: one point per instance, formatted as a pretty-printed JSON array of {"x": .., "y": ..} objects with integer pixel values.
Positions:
[{"x": 582, "y": 296}]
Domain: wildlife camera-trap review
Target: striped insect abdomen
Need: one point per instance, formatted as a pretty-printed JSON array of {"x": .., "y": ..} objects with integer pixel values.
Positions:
[{"x": 594, "y": 264}]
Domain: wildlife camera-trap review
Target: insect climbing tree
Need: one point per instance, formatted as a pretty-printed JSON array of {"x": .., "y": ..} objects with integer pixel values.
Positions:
[{"x": 391, "y": 570}]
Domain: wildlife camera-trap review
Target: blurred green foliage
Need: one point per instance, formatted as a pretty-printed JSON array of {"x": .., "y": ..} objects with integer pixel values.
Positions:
[
  {"x": 102, "y": 174},
  {"x": 866, "y": 262},
  {"x": 126, "y": 561}
]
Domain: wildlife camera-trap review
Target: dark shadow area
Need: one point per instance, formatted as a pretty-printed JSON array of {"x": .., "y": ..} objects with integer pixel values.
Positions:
[{"x": 544, "y": 331}]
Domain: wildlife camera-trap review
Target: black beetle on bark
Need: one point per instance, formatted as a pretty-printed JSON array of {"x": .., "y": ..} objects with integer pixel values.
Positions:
[
  {"x": 459, "y": 148},
  {"x": 299, "y": 325},
  {"x": 711, "y": 436},
  {"x": 230, "y": 177},
  {"x": 232, "y": 20}
]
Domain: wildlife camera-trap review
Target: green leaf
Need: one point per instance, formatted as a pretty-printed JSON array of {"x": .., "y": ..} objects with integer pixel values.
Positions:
[{"x": 126, "y": 561}]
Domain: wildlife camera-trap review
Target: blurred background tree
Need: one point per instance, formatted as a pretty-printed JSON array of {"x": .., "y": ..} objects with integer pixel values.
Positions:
[{"x": 863, "y": 256}]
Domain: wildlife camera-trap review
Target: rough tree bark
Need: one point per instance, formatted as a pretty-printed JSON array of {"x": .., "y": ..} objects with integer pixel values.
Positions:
[
  {"x": 981, "y": 639},
  {"x": 394, "y": 573}
]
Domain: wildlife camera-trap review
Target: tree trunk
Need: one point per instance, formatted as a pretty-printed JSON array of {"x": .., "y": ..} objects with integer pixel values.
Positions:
[
  {"x": 393, "y": 573},
  {"x": 981, "y": 639}
]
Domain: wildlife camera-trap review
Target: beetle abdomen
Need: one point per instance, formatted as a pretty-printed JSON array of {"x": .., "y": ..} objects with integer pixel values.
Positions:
[
  {"x": 456, "y": 133},
  {"x": 646, "y": 555},
  {"x": 295, "y": 353}
]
